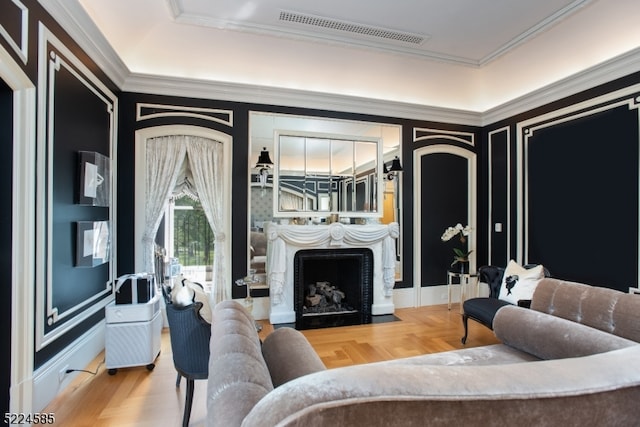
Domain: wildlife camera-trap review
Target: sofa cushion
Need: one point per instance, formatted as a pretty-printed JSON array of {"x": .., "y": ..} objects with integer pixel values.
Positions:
[
  {"x": 606, "y": 309},
  {"x": 483, "y": 309},
  {"x": 289, "y": 355},
  {"x": 594, "y": 390},
  {"x": 494, "y": 354},
  {"x": 238, "y": 374},
  {"x": 549, "y": 337},
  {"x": 519, "y": 283}
]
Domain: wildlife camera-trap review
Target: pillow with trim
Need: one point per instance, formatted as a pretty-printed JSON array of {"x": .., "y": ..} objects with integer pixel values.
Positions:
[{"x": 519, "y": 283}]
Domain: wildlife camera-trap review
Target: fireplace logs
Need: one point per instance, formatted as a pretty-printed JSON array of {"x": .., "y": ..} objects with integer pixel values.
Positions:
[
  {"x": 322, "y": 297},
  {"x": 333, "y": 287}
]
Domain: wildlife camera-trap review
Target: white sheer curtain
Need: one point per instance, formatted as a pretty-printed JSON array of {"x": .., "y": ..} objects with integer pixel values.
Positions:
[
  {"x": 165, "y": 156},
  {"x": 207, "y": 166},
  {"x": 289, "y": 201}
]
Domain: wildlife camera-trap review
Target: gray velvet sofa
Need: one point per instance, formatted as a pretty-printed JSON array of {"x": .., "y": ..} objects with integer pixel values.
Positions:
[{"x": 573, "y": 359}]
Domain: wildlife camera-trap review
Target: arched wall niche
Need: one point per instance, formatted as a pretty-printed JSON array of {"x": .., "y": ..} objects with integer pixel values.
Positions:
[{"x": 141, "y": 137}]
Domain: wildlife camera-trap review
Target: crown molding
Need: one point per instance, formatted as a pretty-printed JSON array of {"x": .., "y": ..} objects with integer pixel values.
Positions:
[
  {"x": 74, "y": 20},
  {"x": 617, "y": 67},
  {"x": 238, "y": 92}
]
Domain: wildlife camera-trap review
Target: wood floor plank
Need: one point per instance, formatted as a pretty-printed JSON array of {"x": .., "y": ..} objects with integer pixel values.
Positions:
[{"x": 137, "y": 397}]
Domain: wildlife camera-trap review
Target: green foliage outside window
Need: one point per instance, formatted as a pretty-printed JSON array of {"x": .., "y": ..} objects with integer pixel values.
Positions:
[{"x": 193, "y": 240}]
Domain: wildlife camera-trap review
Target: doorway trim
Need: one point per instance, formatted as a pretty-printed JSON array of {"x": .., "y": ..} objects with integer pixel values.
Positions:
[
  {"x": 23, "y": 234},
  {"x": 432, "y": 295},
  {"x": 141, "y": 138}
]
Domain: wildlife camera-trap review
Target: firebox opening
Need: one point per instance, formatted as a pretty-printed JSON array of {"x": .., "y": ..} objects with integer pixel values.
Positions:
[{"x": 333, "y": 287}]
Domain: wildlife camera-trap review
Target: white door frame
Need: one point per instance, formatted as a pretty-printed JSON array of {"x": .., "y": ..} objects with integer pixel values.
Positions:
[
  {"x": 140, "y": 188},
  {"x": 430, "y": 296},
  {"x": 23, "y": 234}
]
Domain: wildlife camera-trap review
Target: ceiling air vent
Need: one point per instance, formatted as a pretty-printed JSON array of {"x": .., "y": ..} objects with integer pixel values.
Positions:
[{"x": 350, "y": 27}]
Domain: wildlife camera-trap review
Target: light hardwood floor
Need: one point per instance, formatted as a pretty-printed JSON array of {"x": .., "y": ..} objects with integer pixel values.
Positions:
[{"x": 138, "y": 397}]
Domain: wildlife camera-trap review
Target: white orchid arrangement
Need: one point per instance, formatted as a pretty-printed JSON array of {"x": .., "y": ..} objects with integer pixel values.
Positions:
[{"x": 462, "y": 232}]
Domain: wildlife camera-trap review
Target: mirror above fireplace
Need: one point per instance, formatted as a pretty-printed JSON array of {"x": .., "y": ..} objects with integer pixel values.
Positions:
[
  {"x": 263, "y": 128},
  {"x": 320, "y": 174},
  {"x": 358, "y": 138}
]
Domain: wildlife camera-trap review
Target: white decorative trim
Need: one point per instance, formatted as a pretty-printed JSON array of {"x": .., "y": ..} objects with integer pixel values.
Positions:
[
  {"x": 74, "y": 20},
  {"x": 21, "y": 47},
  {"x": 490, "y": 228},
  {"x": 224, "y": 117},
  {"x": 286, "y": 240},
  {"x": 472, "y": 206},
  {"x": 620, "y": 66},
  {"x": 23, "y": 232},
  {"x": 527, "y": 128},
  {"x": 223, "y": 91},
  {"x": 459, "y": 136},
  {"x": 47, "y": 380},
  {"x": 404, "y": 297},
  {"x": 48, "y": 65},
  {"x": 532, "y": 32}
]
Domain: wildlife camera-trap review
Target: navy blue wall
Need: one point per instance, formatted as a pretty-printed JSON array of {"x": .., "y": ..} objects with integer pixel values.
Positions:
[
  {"x": 79, "y": 124},
  {"x": 444, "y": 203},
  {"x": 583, "y": 198},
  {"x": 574, "y": 196}
]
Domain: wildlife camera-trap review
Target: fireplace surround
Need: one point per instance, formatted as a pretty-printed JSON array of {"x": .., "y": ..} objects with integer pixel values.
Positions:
[{"x": 284, "y": 241}]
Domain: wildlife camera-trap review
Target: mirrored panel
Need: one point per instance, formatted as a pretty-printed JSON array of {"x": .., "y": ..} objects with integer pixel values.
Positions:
[
  {"x": 372, "y": 196},
  {"x": 317, "y": 172},
  {"x": 294, "y": 159}
]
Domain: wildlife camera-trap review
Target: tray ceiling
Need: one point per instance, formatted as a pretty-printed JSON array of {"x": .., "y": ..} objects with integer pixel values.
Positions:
[{"x": 471, "y": 55}]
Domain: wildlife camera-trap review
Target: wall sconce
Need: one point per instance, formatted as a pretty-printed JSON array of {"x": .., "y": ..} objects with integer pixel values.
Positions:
[
  {"x": 393, "y": 171},
  {"x": 264, "y": 164}
]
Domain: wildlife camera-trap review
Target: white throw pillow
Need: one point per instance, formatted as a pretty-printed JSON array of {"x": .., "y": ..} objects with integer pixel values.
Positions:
[
  {"x": 186, "y": 292},
  {"x": 518, "y": 283}
]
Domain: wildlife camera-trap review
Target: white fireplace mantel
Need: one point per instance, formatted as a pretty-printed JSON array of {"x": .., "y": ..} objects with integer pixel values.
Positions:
[{"x": 286, "y": 240}]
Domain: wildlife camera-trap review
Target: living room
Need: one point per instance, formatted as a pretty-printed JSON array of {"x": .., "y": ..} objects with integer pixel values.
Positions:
[{"x": 545, "y": 175}]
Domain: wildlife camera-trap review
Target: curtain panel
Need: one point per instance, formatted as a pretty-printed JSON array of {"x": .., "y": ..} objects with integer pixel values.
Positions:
[{"x": 167, "y": 157}]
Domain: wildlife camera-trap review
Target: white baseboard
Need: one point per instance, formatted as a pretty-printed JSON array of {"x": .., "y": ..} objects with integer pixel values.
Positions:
[
  {"x": 404, "y": 298},
  {"x": 261, "y": 308},
  {"x": 377, "y": 309},
  {"x": 431, "y": 295},
  {"x": 282, "y": 317},
  {"x": 49, "y": 379}
]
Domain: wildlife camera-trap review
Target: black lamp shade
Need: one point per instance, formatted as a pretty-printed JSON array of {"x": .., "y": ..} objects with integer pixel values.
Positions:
[
  {"x": 395, "y": 165},
  {"x": 264, "y": 160}
]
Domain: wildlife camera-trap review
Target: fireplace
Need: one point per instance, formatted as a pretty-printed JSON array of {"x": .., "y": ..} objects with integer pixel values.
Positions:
[
  {"x": 285, "y": 241},
  {"x": 333, "y": 287}
]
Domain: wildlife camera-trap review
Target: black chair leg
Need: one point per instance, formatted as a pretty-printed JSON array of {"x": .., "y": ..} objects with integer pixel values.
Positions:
[
  {"x": 465, "y": 318},
  {"x": 188, "y": 402},
  {"x": 178, "y": 380}
]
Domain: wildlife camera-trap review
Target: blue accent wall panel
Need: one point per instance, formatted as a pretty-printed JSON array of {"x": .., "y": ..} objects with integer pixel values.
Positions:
[
  {"x": 444, "y": 190},
  {"x": 498, "y": 190},
  {"x": 583, "y": 198}
]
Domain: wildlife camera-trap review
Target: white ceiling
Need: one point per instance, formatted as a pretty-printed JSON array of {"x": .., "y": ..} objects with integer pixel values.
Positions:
[{"x": 471, "y": 55}]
